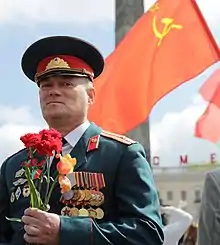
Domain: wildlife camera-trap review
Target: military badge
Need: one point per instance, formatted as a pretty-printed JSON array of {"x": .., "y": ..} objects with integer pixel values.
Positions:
[
  {"x": 83, "y": 212},
  {"x": 74, "y": 212},
  {"x": 12, "y": 198},
  {"x": 18, "y": 193},
  {"x": 65, "y": 211},
  {"x": 93, "y": 143},
  {"x": 19, "y": 173},
  {"x": 26, "y": 191},
  {"x": 99, "y": 213},
  {"x": 85, "y": 198},
  {"x": 20, "y": 181},
  {"x": 72, "y": 179},
  {"x": 92, "y": 213}
]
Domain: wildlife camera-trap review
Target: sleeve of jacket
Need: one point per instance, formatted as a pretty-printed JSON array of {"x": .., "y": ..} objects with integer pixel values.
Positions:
[
  {"x": 209, "y": 218},
  {"x": 139, "y": 221},
  {"x": 5, "y": 231}
]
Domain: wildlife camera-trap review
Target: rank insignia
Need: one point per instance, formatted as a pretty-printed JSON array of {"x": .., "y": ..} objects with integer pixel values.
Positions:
[
  {"x": 19, "y": 173},
  {"x": 118, "y": 137},
  {"x": 93, "y": 143}
]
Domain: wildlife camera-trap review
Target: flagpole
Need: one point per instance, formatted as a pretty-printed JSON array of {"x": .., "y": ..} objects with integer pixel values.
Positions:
[{"x": 127, "y": 13}]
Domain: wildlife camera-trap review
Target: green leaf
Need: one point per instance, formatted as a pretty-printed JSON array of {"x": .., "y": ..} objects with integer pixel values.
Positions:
[{"x": 14, "y": 219}]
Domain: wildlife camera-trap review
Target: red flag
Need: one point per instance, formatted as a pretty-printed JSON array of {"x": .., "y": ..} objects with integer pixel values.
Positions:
[
  {"x": 169, "y": 45},
  {"x": 209, "y": 88},
  {"x": 207, "y": 127}
]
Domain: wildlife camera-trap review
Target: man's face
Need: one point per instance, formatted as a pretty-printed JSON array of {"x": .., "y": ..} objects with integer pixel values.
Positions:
[{"x": 65, "y": 97}]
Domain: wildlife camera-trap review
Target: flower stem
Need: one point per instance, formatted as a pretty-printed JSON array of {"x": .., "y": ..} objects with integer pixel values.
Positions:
[
  {"x": 41, "y": 177},
  {"x": 47, "y": 199},
  {"x": 35, "y": 201},
  {"x": 48, "y": 176}
]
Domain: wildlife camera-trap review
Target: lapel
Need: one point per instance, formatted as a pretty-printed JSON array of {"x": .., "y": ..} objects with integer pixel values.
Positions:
[{"x": 80, "y": 150}]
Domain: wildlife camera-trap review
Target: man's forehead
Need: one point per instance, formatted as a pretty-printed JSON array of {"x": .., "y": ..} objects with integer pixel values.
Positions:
[{"x": 61, "y": 78}]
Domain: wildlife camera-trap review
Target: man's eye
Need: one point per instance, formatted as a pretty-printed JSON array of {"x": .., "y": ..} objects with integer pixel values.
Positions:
[
  {"x": 68, "y": 84},
  {"x": 44, "y": 85}
]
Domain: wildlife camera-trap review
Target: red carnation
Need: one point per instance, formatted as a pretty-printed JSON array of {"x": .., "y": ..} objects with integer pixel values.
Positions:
[
  {"x": 30, "y": 140},
  {"x": 50, "y": 133},
  {"x": 46, "y": 147},
  {"x": 51, "y": 141},
  {"x": 47, "y": 141}
]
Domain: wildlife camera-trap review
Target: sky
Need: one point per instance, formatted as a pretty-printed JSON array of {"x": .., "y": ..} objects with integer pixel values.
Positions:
[{"x": 23, "y": 22}]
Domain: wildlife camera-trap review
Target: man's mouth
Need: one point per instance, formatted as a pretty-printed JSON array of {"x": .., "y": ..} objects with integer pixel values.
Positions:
[{"x": 54, "y": 102}]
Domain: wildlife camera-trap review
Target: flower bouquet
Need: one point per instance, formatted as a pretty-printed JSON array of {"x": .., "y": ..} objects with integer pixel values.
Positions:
[{"x": 45, "y": 145}]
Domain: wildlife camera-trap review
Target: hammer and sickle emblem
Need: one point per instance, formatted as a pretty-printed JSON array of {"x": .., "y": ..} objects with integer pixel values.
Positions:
[{"x": 168, "y": 25}]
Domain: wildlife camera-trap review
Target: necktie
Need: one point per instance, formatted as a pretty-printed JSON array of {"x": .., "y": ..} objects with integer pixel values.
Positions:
[{"x": 64, "y": 141}]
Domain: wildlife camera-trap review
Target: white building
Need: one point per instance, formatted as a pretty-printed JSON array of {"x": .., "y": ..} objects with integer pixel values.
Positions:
[{"x": 182, "y": 183}]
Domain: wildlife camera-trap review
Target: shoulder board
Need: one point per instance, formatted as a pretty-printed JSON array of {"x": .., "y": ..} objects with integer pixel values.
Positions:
[{"x": 118, "y": 137}]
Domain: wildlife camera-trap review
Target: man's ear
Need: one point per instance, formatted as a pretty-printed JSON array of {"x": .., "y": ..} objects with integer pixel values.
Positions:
[{"x": 91, "y": 95}]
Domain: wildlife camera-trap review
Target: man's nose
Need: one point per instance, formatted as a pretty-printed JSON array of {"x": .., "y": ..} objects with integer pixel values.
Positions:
[{"x": 54, "y": 90}]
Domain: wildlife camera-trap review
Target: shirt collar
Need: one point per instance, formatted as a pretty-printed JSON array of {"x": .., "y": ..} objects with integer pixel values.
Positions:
[{"x": 73, "y": 137}]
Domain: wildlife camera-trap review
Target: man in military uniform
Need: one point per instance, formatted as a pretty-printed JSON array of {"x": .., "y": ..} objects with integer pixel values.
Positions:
[{"x": 124, "y": 206}]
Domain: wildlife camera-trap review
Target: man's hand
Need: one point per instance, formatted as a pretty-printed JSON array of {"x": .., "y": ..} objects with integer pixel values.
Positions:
[{"x": 41, "y": 227}]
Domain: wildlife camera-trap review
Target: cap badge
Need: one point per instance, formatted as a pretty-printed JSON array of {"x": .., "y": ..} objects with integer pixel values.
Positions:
[{"x": 57, "y": 63}]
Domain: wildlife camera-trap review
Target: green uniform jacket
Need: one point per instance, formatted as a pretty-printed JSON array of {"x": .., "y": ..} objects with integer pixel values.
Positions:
[{"x": 131, "y": 204}]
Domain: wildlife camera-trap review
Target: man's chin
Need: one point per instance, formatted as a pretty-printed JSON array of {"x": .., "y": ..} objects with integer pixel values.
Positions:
[{"x": 54, "y": 115}]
